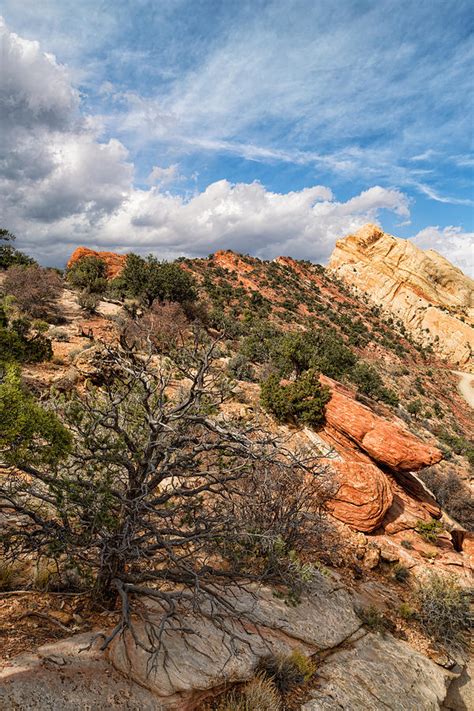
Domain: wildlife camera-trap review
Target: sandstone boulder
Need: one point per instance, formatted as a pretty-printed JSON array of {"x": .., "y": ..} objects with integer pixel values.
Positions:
[
  {"x": 379, "y": 673},
  {"x": 388, "y": 443},
  {"x": 368, "y": 495},
  {"x": 461, "y": 691},
  {"x": 66, "y": 676},
  {"x": 114, "y": 262},
  {"x": 188, "y": 670},
  {"x": 363, "y": 496}
]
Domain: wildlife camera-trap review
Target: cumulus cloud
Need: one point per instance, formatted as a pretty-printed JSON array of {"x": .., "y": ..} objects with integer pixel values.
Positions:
[
  {"x": 62, "y": 184},
  {"x": 451, "y": 242},
  {"x": 35, "y": 90},
  {"x": 52, "y": 163},
  {"x": 243, "y": 217}
]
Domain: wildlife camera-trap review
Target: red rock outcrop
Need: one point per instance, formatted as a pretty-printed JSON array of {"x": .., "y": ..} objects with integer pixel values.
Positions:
[
  {"x": 388, "y": 443},
  {"x": 114, "y": 262},
  {"x": 369, "y": 496},
  {"x": 407, "y": 509},
  {"x": 364, "y": 495}
]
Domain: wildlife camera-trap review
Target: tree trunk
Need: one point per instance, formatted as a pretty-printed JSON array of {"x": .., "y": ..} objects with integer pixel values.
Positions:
[{"x": 105, "y": 592}]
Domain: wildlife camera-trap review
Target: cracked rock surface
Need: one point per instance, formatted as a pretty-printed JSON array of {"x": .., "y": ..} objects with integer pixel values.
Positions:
[{"x": 378, "y": 673}]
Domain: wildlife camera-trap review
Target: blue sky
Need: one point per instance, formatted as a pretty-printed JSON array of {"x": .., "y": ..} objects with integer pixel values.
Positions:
[{"x": 180, "y": 127}]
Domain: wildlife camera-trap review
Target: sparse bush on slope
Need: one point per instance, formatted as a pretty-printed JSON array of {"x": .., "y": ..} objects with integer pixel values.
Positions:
[
  {"x": 452, "y": 494},
  {"x": 35, "y": 290},
  {"x": 444, "y": 611},
  {"x": 370, "y": 383},
  {"x": 301, "y": 401}
]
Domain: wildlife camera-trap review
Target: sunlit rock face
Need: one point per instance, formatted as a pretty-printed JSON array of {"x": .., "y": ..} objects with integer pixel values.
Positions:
[
  {"x": 434, "y": 299},
  {"x": 376, "y": 459},
  {"x": 114, "y": 262}
]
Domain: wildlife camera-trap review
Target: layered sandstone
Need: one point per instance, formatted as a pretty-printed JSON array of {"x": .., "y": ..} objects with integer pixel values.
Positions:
[
  {"x": 114, "y": 262},
  {"x": 434, "y": 299},
  {"x": 375, "y": 465}
]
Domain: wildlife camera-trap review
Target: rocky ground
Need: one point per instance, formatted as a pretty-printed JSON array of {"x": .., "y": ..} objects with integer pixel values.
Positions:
[{"x": 378, "y": 453}]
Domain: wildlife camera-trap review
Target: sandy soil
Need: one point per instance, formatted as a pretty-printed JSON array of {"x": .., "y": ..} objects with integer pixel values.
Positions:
[{"x": 466, "y": 386}]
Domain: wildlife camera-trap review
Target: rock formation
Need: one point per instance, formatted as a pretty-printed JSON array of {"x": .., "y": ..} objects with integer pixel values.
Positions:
[
  {"x": 434, "y": 299},
  {"x": 73, "y": 674},
  {"x": 377, "y": 458},
  {"x": 114, "y": 262},
  {"x": 384, "y": 673}
]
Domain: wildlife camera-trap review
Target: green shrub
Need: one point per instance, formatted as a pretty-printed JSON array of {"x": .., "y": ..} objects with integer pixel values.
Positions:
[
  {"x": 373, "y": 619},
  {"x": 302, "y": 401},
  {"x": 9, "y": 256},
  {"x": 150, "y": 279},
  {"x": 240, "y": 368},
  {"x": 28, "y": 431},
  {"x": 458, "y": 444},
  {"x": 330, "y": 354},
  {"x": 415, "y": 407},
  {"x": 444, "y": 611},
  {"x": 406, "y": 612},
  {"x": 21, "y": 342},
  {"x": 286, "y": 672},
  {"x": 88, "y": 301},
  {"x": 291, "y": 353},
  {"x": 370, "y": 383},
  {"x": 429, "y": 530},
  {"x": 296, "y": 353},
  {"x": 257, "y": 346},
  {"x": 88, "y": 274}
]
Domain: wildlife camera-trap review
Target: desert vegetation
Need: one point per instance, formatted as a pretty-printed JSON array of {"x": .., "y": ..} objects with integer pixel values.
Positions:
[
  {"x": 152, "y": 473},
  {"x": 34, "y": 290},
  {"x": 9, "y": 256},
  {"x": 139, "y": 483}
]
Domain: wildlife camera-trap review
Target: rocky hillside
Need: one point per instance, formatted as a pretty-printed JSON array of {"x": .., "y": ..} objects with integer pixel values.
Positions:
[
  {"x": 255, "y": 301},
  {"x": 394, "y": 421},
  {"x": 433, "y": 299}
]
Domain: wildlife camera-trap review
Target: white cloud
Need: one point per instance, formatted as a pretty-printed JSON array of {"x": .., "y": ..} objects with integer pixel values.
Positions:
[
  {"x": 34, "y": 90},
  {"x": 62, "y": 185},
  {"x": 52, "y": 163},
  {"x": 243, "y": 217},
  {"x": 164, "y": 176},
  {"x": 427, "y": 190},
  {"x": 452, "y": 243}
]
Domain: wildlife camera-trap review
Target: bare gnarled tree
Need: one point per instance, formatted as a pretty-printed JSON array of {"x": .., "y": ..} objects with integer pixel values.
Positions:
[{"x": 161, "y": 496}]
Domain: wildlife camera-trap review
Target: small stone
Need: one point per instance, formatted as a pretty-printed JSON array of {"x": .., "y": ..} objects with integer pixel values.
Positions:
[{"x": 371, "y": 557}]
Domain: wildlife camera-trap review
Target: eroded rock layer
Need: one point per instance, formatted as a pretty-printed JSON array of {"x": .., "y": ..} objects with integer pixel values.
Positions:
[
  {"x": 375, "y": 465},
  {"x": 434, "y": 299}
]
